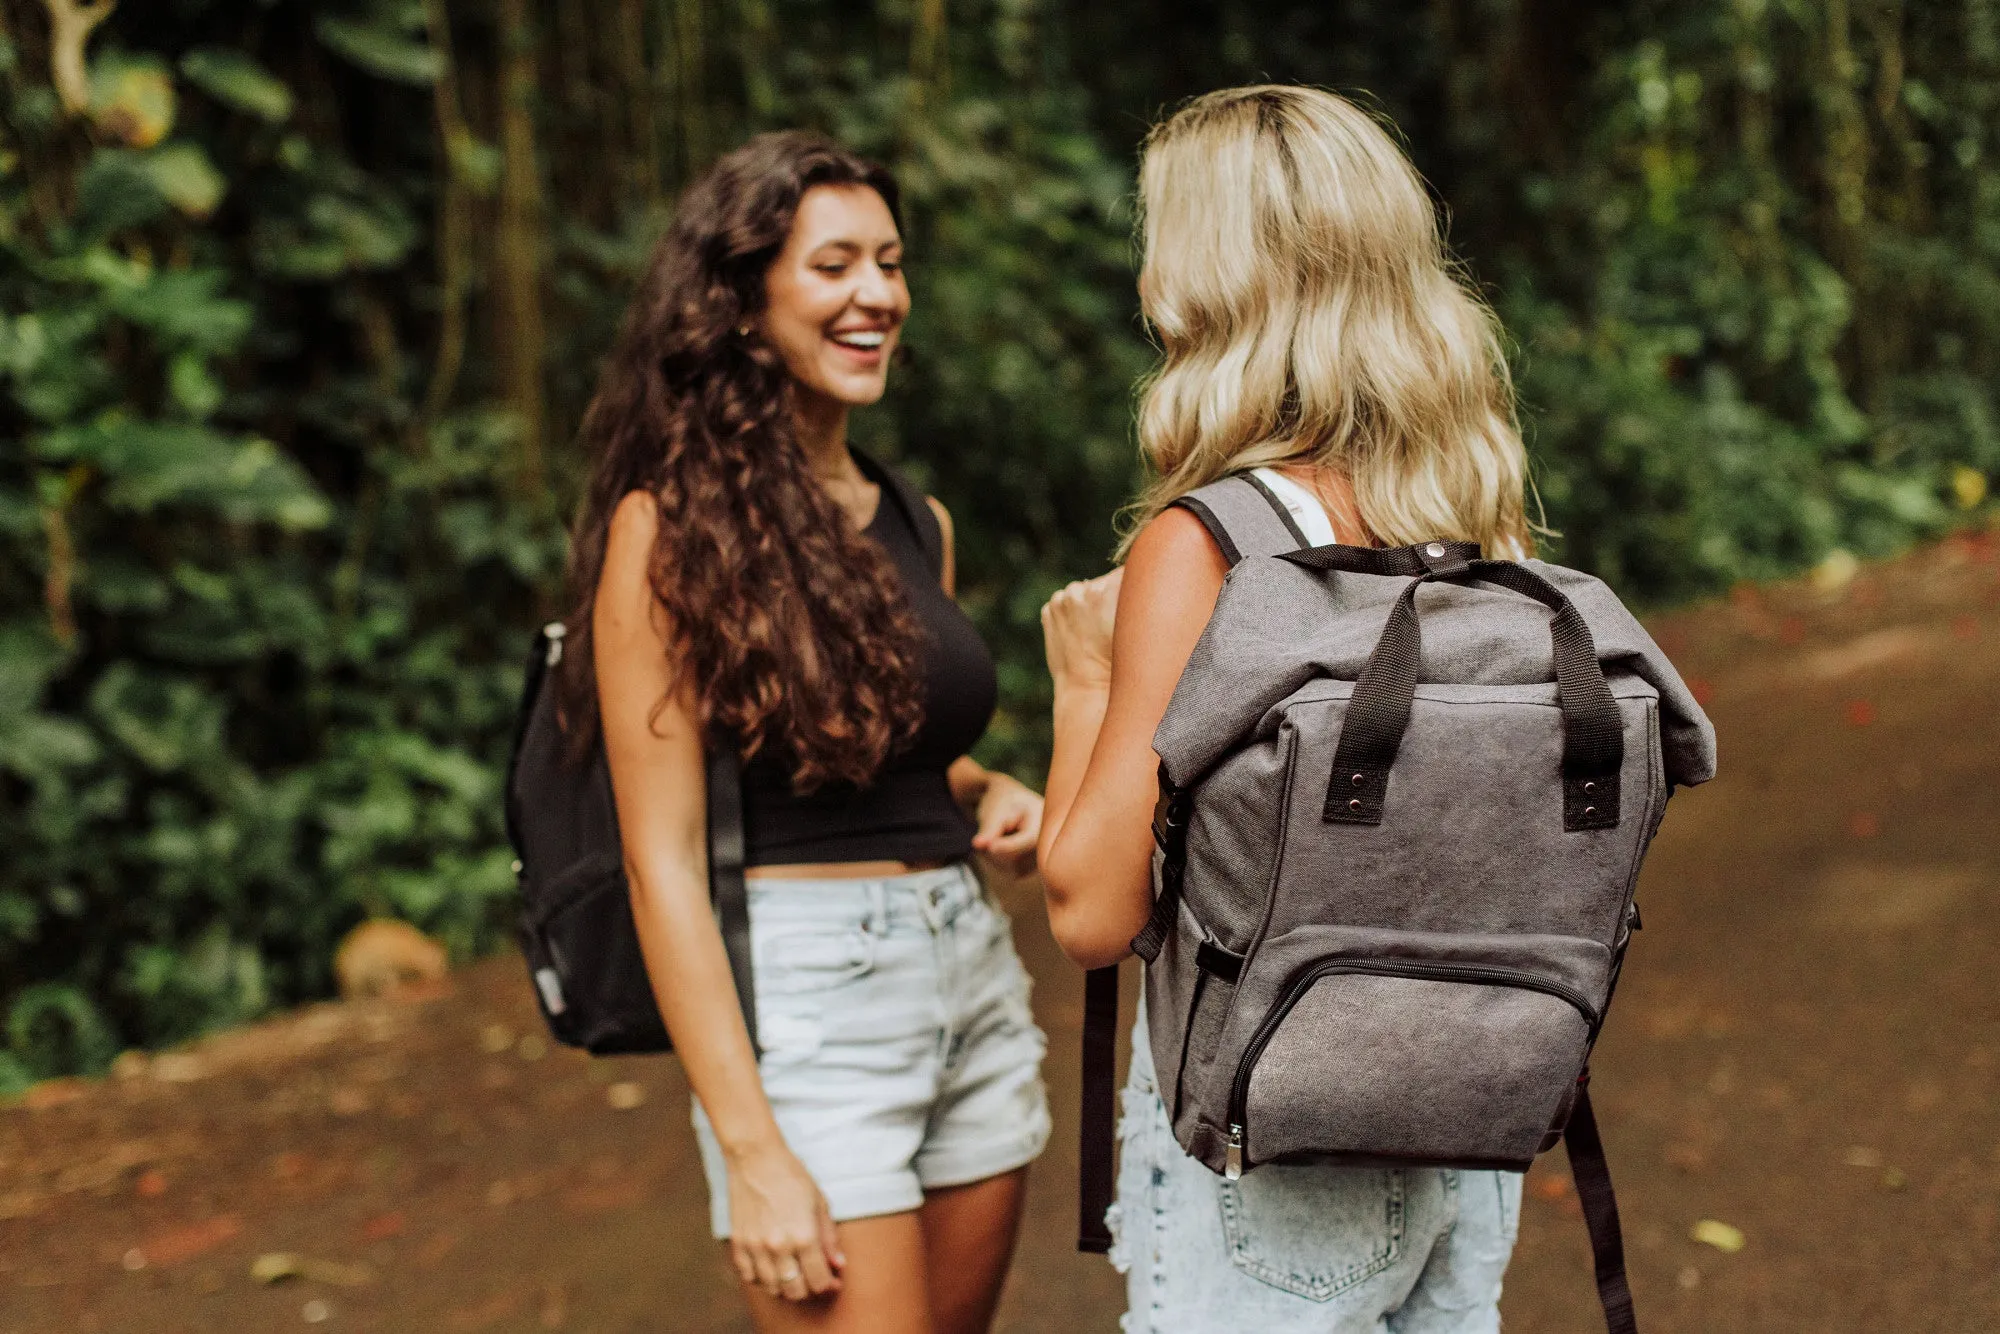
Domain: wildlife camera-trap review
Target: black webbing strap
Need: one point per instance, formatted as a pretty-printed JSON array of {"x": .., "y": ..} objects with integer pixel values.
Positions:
[
  {"x": 1216, "y": 961},
  {"x": 1100, "y": 1073},
  {"x": 1170, "y": 817},
  {"x": 1600, "y": 1213},
  {"x": 531, "y": 690},
  {"x": 1593, "y": 729},
  {"x": 1404, "y": 562},
  {"x": 725, "y": 874},
  {"x": 1216, "y": 529},
  {"x": 1379, "y": 711}
]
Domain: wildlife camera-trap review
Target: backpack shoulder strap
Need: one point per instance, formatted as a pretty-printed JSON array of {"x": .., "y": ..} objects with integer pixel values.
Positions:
[
  {"x": 1244, "y": 517},
  {"x": 915, "y": 508}
]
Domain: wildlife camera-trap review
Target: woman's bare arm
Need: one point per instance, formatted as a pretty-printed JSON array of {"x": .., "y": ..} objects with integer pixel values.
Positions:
[
  {"x": 1097, "y": 845},
  {"x": 658, "y": 780}
]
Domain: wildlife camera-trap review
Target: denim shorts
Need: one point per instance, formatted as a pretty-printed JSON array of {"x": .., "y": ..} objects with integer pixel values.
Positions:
[
  {"x": 1333, "y": 1250},
  {"x": 899, "y": 1054}
]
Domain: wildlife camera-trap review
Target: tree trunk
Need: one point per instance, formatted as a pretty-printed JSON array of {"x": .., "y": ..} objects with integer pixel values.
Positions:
[
  {"x": 454, "y": 227},
  {"x": 518, "y": 244},
  {"x": 636, "y": 81}
]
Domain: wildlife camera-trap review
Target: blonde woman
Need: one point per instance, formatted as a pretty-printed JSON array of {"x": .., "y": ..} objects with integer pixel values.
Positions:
[{"x": 1314, "y": 332}]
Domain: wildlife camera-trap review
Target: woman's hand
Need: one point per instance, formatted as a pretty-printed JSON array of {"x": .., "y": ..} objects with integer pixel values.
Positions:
[
  {"x": 1010, "y": 823},
  {"x": 781, "y": 1235},
  {"x": 1076, "y": 631}
]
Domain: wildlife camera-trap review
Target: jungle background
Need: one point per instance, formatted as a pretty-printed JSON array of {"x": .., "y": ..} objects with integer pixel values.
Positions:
[{"x": 300, "y": 304}]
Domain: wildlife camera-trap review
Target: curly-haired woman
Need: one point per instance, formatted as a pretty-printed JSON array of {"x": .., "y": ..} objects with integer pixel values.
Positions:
[
  {"x": 747, "y": 582},
  {"x": 1316, "y": 335}
]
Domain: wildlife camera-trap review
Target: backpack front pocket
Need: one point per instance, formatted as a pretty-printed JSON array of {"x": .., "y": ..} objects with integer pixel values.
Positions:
[{"x": 1446, "y": 1059}]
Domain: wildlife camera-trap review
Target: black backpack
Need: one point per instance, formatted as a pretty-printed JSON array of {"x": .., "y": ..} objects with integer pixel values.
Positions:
[{"x": 576, "y": 926}]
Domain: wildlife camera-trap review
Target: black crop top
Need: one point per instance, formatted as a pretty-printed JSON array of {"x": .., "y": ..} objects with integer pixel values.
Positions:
[{"x": 907, "y": 814}]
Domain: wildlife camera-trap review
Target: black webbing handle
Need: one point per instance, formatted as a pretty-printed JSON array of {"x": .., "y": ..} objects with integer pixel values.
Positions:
[
  {"x": 1406, "y": 562},
  {"x": 1593, "y": 729},
  {"x": 1600, "y": 1212},
  {"x": 1100, "y": 1073},
  {"x": 1378, "y": 713},
  {"x": 725, "y": 874}
]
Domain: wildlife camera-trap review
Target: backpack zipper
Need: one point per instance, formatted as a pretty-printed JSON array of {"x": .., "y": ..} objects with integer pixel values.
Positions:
[{"x": 1439, "y": 971}]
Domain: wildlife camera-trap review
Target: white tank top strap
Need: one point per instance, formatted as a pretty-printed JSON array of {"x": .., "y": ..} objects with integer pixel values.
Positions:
[{"x": 1306, "y": 511}]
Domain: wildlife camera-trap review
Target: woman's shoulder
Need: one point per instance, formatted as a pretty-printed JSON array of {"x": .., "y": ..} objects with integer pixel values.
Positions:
[
  {"x": 1173, "y": 575},
  {"x": 1174, "y": 541},
  {"x": 635, "y": 519},
  {"x": 633, "y": 533}
]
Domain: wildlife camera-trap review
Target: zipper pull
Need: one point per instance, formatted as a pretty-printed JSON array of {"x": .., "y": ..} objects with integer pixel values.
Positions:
[{"x": 1233, "y": 1161}]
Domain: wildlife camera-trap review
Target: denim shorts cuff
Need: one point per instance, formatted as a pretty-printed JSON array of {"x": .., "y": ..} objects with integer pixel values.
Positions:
[
  {"x": 871, "y": 1196},
  {"x": 994, "y": 1158}
]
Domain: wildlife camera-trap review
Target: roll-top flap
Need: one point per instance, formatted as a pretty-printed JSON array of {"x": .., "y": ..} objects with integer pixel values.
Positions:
[{"x": 1277, "y": 626}]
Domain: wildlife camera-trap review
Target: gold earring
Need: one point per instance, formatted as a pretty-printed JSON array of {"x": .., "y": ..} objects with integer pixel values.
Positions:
[{"x": 742, "y": 331}]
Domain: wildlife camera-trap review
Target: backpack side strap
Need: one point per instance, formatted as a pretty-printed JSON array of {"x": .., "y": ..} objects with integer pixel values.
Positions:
[
  {"x": 1600, "y": 1212},
  {"x": 726, "y": 888},
  {"x": 1100, "y": 1072}
]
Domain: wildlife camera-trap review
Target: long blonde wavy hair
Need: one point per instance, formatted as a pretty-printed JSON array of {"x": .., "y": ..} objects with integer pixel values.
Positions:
[{"x": 1308, "y": 312}]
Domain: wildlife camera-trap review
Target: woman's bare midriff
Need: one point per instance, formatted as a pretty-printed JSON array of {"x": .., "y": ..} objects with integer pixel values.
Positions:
[{"x": 838, "y": 870}]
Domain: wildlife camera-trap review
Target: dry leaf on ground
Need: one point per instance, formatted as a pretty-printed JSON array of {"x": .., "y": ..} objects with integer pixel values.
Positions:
[{"x": 1722, "y": 1236}]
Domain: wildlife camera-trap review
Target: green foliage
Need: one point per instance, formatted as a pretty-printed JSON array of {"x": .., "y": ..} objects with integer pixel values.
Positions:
[
  {"x": 1745, "y": 248},
  {"x": 235, "y": 79},
  {"x": 256, "y": 663},
  {"x": 274, "y": 520}
]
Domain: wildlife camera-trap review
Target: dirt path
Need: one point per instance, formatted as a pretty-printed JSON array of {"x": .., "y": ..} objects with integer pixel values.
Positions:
[{"x": 1805, "y": 1048}]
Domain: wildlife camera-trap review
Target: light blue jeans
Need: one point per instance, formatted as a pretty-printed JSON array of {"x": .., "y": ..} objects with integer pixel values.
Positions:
[{"x": 1332, "y": 1250}]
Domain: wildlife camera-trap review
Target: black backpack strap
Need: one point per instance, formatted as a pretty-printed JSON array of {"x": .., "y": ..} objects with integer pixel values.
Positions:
[
  {"x": 1245, "y": 517},
  {"x": 1100, "y": 1074},
  {"x": 915, "y": 507},
  {"x": 543, "y": 654},
  {"x": 1600, "y": 1212},
  {"x": 726, "y": 887}
]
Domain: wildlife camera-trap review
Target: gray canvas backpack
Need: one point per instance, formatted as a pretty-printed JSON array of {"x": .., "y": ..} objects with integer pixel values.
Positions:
[{"x": 1404, "y": 796}]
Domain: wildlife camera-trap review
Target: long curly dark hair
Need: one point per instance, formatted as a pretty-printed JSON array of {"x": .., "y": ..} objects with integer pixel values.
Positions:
[{"x": 795, "y": 631}]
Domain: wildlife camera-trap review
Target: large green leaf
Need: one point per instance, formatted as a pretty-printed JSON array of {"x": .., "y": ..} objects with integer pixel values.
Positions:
[
  {"x": 186, "y": 308},
  {"x": 186, "y": 178},
  {"x": 117, "y": 190},
  {"x": 389, "y": 55},
  {"x": 233, "y": 78}
]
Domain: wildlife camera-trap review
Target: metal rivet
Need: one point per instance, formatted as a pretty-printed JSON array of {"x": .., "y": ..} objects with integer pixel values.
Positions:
[
  {"x": 1434, "y": 550},
  {"x": 1590, "y": 787},
  {"x": 1359, "y": 779},
  {"x": 1354, "y": 805},
  {"x": 1590, "y": 810}
]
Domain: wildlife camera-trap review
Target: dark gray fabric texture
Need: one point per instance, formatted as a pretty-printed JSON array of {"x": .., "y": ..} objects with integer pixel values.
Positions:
[
  {"x": 1253, "y": 524},
  {"x": 1429, "y": 1071},
  {"x": 1277, "y": 626},
  {"x": 1471, "y": 872}
]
